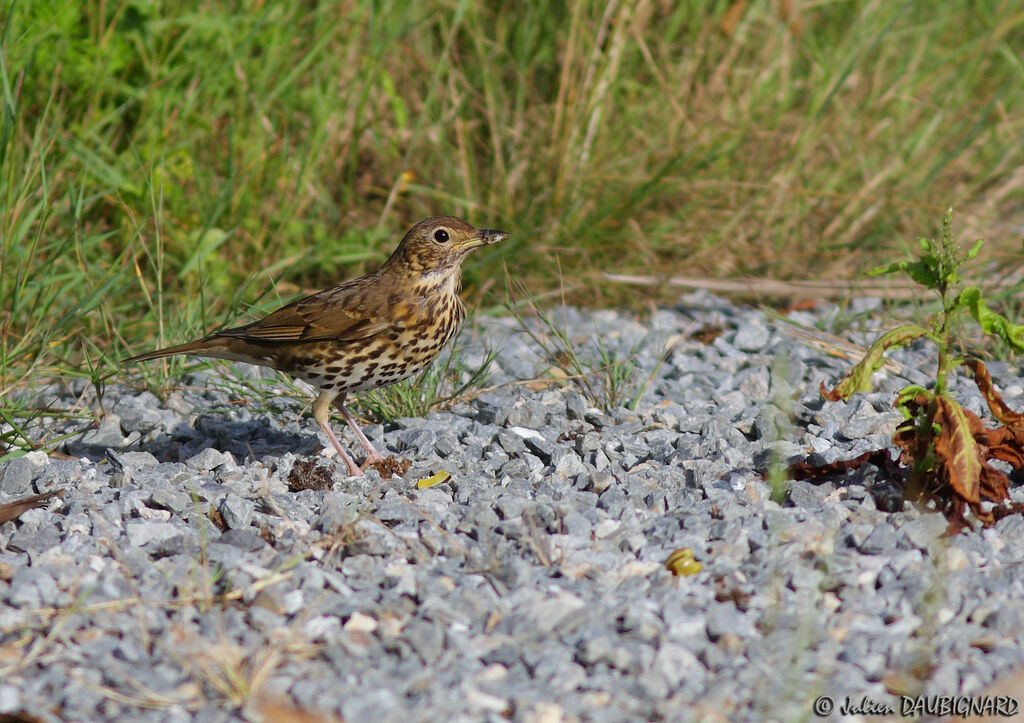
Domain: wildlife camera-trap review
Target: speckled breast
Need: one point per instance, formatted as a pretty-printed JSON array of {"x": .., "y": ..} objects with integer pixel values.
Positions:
[{"x": 388, "y": 357}]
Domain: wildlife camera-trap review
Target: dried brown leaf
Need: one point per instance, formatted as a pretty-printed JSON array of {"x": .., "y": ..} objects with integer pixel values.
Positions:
[
  {"x": 1008, "y": 445},
  {"x": 706, "y": 334},
  {"x": 13, "y": 510},
  {"x": 911, "y": 444},
  {"x": 1000, "y": 410},
  {"x": 995, "y": 485},
  {"x": 944, "y": 456},
  {"x": 957, "y": 449},
  {"x": 1001, "y": 511},
  {"x": 807, "y": 471},
  {"x": 20, "y": 717}
]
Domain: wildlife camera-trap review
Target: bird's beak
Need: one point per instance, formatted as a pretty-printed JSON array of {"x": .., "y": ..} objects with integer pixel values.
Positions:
[
  {"x": 483, "y": 237},
  {"x": 490, "y": 236}
]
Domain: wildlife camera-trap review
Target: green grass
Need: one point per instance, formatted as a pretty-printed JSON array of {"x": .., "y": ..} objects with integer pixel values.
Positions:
[
  {"x": 441, "y": 384},
  {"x": 167, "y": 168},
  {"x": 607, "y": 375}
]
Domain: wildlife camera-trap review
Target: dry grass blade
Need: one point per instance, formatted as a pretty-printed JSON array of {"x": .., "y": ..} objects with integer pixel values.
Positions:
[
  {"x": 888, "y": 289},
  {"x": 280, "y": 711},
  {"x": 831, "y": 344},
  {"x": 47, "y": 614}
]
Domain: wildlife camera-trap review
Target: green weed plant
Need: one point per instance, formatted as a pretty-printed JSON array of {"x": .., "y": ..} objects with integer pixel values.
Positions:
[{"x": 945, "y": 449}]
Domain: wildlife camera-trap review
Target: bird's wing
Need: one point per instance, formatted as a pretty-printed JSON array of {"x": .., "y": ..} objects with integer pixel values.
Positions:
[{"x": 343, "y": 313}]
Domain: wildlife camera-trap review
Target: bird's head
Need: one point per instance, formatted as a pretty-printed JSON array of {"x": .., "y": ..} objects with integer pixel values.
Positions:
[{"x": 440, "y": 243}]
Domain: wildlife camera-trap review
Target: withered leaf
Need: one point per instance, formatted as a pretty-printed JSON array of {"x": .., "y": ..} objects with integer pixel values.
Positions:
[
  {"x": 1000, "y": 410},
  {"x": 911, "y": 444},
  {"x": 944, "y": 455},
  {"x": 21, "y": 716},
  {"x": 12, "y": 510},
  {"x": 995, "y": 485},
  {"x": 859, "y": 378},
  {"x": 1008, "y": 445},
  {"x": 807, "y": 471},
  {"x": 957, "y": 449},
  {"x": 1001, "y": 511}
]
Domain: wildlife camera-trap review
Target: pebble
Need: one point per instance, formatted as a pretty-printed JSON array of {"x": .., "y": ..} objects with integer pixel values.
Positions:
[{"x": 532, "y": 584}]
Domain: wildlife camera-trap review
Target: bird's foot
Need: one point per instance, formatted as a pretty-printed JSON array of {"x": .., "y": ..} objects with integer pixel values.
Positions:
[{"x": 353, "y": 469}]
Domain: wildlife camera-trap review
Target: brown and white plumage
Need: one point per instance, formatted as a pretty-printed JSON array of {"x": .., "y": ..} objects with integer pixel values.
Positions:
[{"x": 365, "y": 333}]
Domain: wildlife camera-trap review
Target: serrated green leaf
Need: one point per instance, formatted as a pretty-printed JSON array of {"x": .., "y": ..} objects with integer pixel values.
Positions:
[
  {"x": 890, "y": 269},
  {"x": 859, "y": 378},
  {"x": 924, "y": 272},
  {"x": 976, "y": 249},
  {"x": 992, "y": 322}
]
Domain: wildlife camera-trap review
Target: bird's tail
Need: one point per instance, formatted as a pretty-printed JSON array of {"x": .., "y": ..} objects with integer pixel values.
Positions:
[{"x": 210, "y": 346}]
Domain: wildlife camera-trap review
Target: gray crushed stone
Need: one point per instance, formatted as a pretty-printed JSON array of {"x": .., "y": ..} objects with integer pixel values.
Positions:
[{"x": 179, "y": 578}]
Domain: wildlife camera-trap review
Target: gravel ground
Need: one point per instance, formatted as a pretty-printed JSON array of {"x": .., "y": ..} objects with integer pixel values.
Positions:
[{"x": 180, "y": 578}]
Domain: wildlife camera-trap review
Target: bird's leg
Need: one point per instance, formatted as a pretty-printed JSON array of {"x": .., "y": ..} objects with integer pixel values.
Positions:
[
  {"x": 322, "y": 415},
  {"x": 372, "y": 455}
]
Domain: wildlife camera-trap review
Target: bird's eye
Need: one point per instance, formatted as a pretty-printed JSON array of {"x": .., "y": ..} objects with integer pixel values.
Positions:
[{"x": 441, "y": 236}]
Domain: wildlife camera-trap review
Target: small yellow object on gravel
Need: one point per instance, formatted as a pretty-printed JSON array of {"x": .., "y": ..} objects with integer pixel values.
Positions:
[
  {"x": 682, "y": 562},
  {"x": 438, "y": 479}
]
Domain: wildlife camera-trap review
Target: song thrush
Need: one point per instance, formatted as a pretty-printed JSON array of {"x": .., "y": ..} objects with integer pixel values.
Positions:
[{"x": 363, "y": 334}]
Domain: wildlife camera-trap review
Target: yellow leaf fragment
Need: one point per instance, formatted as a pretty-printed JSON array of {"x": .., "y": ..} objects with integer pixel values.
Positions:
[
  {"x": 682, "y": 562},
  {"x": 438, "y": 479}
]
